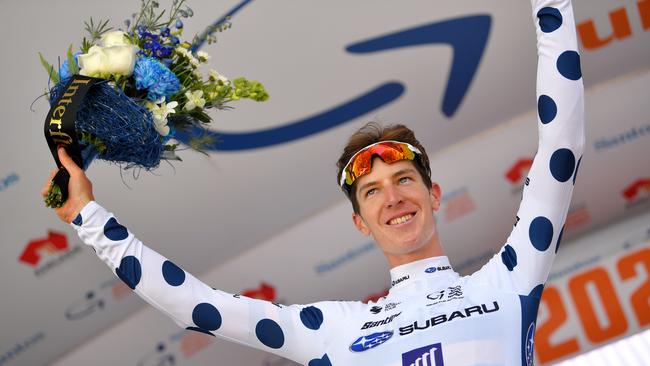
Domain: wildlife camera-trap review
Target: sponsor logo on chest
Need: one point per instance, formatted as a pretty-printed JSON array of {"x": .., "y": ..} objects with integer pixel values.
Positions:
[
  {"x": 388, "y": 319},
  {"x": 430, "y": 355},
  {"x": 445, "y": 318}
]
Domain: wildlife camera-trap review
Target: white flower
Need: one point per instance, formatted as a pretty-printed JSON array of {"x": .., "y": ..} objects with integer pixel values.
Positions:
[
  {"x": 160, "y": 110},
  {"x": 194, "y": 99},
  {"x": 203, "y": 56},
  {"x": 188, "y": 56},
  {"x": 213, "y": 75},
  {"x": 114, "y": 38},
  {"x": 103, "y": 61}
]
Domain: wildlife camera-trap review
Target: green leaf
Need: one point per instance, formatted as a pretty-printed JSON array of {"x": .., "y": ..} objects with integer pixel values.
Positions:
[
  {"x": 54, "y": 198},
  {"x": 200, "y": 115},
  {"x": 52, "y": 73},
  {"x": 72, "y": 64},
  {"x": 85, "y": 45}
]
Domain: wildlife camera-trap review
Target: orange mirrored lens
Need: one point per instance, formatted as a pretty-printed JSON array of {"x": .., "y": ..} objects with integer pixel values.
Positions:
[{"x": 389, "y": 152}]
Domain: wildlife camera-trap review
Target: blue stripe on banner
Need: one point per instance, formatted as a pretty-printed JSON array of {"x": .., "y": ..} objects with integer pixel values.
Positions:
[{"x": 367, "y": 102}]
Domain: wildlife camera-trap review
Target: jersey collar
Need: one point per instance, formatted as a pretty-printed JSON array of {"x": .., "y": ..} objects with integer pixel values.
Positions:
[{"x": 424, "y": 269}]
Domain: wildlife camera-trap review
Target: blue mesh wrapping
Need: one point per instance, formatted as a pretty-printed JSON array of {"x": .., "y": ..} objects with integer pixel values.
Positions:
[{"x": 125, "y": 127}]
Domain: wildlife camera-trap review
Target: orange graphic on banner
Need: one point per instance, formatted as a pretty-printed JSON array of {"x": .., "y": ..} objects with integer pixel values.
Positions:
[
  {"x": 519, "y": 170},
  {"x": 264, "y": 292},
  {"x": 644, "y": 12},
  {"x": 640, "y": 298},
  {"x": 616, "y": 324},
  {"x": 375, "y": 297},
  {"x": 546, "y": 351},
  {"x": 54, "y": 242},
  {"x": 630, "y": 267},
  {"x": 620, "y": 24},
  {"x": 458, "y": 206},
  {"x": 194, "y": 342},
  {"x": 576, "y": 218},
  {"x": 120, "y": 290},
  {"x": 635, "y": 189}
]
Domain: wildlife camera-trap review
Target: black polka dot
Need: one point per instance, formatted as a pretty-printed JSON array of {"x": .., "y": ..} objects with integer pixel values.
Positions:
[
  {"x": 562, "y": 164},
  {"x": 546, "y": 109},
  {"x": 78, "y": 220},
  {"x": 173, "y": 275},
  {"x": 114, "y": 231},
  {"x": 568, "y": 64},
  {"x": 311, "y": 317},
  {"x": 537, "y": 291},
  {"x": 129, "y": 271},
  {"x": 323, "y": 361},
  {"x": 269, "y": 333},
  {"x": 576, "y": 172},
  {"x": 541, "y": 233},
  {"x": 559, "y": 240},
  {"x": 200, "y": 330},
  {"x": 206, "y": 316},
  {"x": 509, "y": 257},
  {"x": 550, "y": 19}
]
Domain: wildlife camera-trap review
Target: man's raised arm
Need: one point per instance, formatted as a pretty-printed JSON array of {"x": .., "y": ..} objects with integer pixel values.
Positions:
[{"x": 524, "y": 262}]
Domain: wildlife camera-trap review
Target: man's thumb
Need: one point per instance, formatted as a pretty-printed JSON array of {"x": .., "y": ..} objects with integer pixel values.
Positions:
[{"x": 67, "y": 161}]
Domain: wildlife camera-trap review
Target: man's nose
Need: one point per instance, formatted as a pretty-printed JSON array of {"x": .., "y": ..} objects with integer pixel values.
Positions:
[{"x": 393, "y": 196}]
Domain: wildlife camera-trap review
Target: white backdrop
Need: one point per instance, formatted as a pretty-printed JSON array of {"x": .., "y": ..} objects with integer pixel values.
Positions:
[{"x": 207, "y": 213}]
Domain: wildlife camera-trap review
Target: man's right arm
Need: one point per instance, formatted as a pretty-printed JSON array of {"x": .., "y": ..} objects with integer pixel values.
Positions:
[{"x": 297, "y": 332}]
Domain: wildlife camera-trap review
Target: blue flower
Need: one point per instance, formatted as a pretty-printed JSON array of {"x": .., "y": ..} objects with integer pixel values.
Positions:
[
  {"x": 64, "y": 69},
  {"x": 179, "y": 24},
  {"x": 164, "y": 32},
  {"x": 150, "y": 74}
]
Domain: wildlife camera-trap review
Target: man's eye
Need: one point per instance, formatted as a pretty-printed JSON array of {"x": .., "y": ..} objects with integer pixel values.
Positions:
[
  {"x": 404, "y": 179},
  {"x": 371, "y": 191}
]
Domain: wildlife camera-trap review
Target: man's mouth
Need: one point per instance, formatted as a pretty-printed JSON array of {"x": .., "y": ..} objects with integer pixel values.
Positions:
[{"x": 401, "y": 219}]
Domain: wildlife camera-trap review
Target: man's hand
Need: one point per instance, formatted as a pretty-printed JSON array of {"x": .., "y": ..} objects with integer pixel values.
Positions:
[{"x": 80, "y": 189}]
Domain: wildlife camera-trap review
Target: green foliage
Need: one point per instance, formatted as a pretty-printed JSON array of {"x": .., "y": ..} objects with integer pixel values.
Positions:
[
  {"x": 198, "y": 143},
  {"x": 96, "y": 31},
  {"x": 249, "y": 89},
  {"x": 85, "y": 45},
  {"x": 54, "y": 198},
  {"x": 72, "y": 64},
  {"x": 51, "y": 72},
  {"x": 92, "y": 140}
]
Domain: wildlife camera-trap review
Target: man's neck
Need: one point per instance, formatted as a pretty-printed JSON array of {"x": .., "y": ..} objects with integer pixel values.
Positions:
[{"x": 433, "y": 249}]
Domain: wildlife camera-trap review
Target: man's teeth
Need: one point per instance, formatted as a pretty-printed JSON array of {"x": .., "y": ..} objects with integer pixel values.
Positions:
[{"x": 400, "y": 220}]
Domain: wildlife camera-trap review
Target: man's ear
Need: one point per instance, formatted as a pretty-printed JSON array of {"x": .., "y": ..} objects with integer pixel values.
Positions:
[
  {"x": 436, "y": 193},
  {"x": 360, "y": 224}
]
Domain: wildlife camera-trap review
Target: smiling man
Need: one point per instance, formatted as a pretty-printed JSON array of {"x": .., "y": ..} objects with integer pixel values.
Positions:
[{"x": 431, "y": 315}]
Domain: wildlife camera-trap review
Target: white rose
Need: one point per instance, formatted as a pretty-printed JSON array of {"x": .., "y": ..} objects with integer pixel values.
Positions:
[
  {"x": 121, "y": 59},
  {"x": 103, "y": 61},
  {"x": 114, "y": 38}
]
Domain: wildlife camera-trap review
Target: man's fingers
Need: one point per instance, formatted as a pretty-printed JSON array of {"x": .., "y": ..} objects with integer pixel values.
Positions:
[
  {"x": 46, "y": 187},
  {"x": 67, "y": 162}
]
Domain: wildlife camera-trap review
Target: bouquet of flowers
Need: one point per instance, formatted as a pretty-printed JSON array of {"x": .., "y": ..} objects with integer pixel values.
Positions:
[{"x": 142, "y": 84}]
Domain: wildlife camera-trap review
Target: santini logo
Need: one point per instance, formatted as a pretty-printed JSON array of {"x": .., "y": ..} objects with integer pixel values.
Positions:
[
  {"x": 430, "y": 355},
  {"x": 388, "y": 319},
  {"x": 370, "y": 341}
]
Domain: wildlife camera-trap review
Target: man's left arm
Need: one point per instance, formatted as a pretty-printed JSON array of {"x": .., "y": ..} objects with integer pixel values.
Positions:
[{"x": 526, "y": 258}]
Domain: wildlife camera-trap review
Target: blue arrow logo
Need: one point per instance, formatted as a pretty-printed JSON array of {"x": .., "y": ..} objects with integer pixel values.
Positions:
[{"x": 466, "y": 35}]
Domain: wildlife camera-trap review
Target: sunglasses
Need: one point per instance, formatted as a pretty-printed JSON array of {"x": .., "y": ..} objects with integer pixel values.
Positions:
[{"x": 361, "y": 162}]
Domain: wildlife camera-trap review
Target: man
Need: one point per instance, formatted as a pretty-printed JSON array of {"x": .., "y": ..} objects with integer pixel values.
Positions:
[{"x": 431, "y": 315}]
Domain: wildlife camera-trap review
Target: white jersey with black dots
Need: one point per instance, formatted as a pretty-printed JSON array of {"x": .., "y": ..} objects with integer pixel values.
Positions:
[{"x": 431, "y": 315}]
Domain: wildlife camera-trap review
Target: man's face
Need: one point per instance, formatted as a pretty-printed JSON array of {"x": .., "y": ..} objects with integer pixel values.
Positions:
[{"x": 396, "y": 208}]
